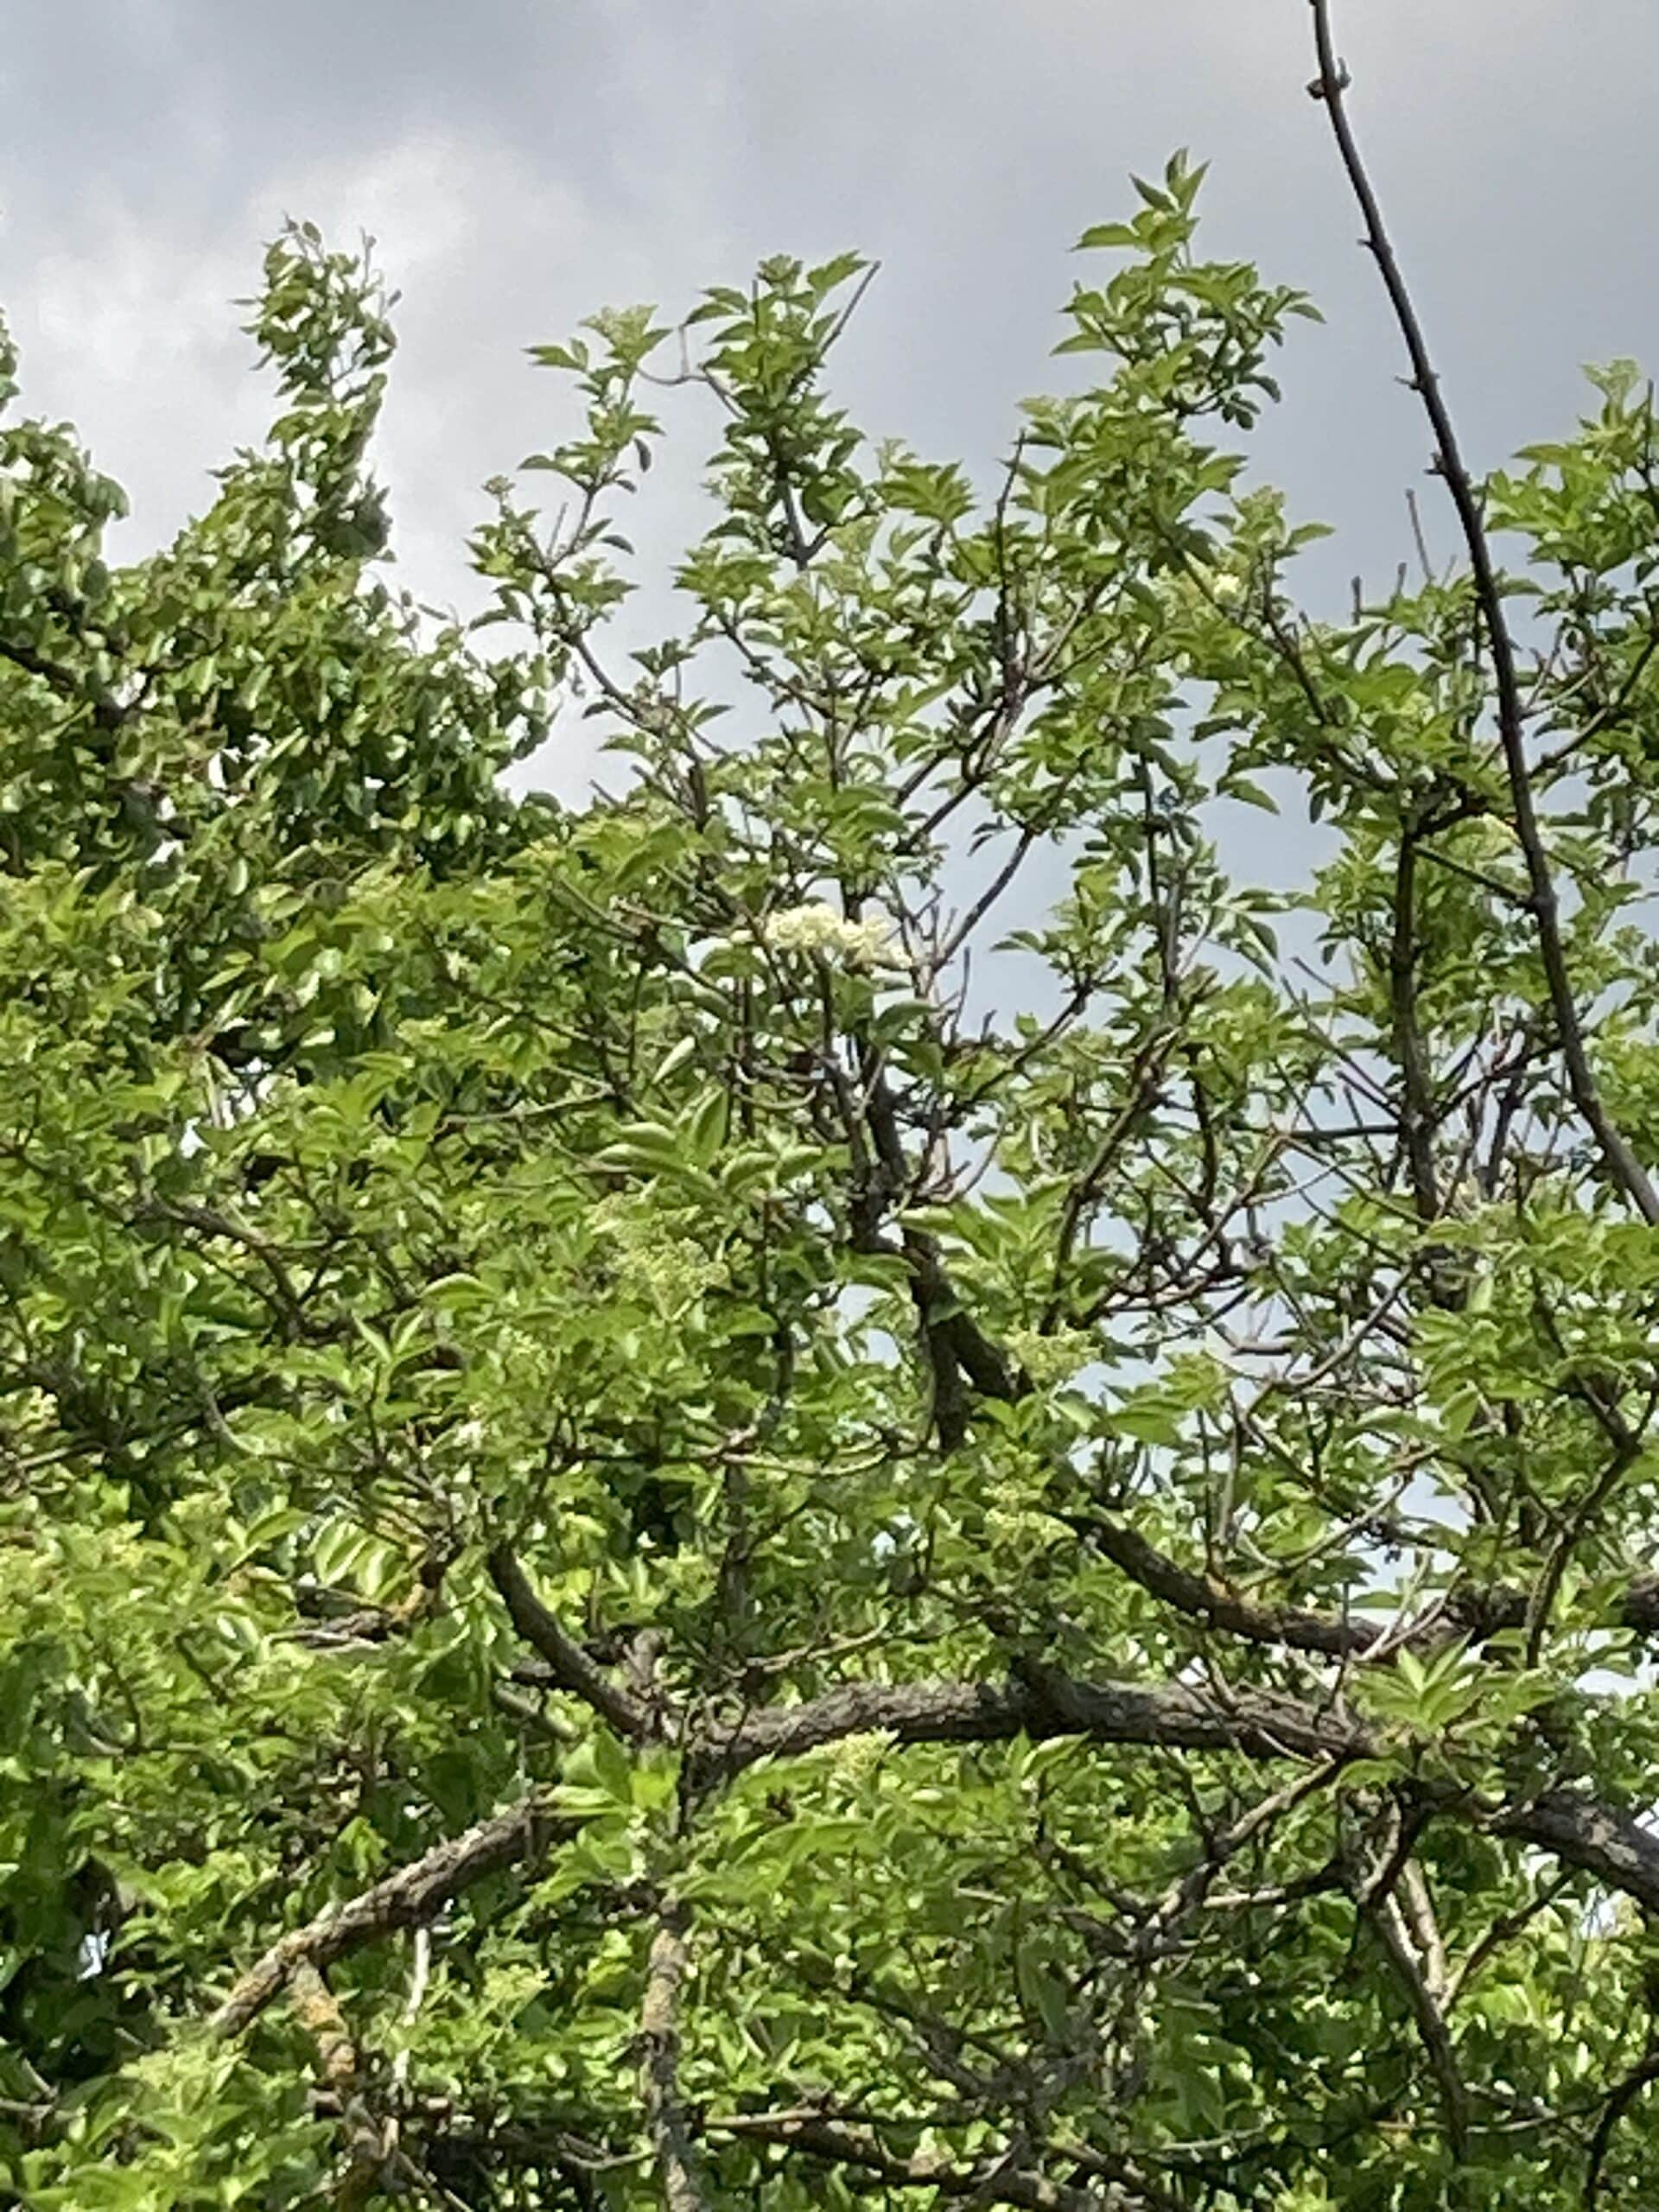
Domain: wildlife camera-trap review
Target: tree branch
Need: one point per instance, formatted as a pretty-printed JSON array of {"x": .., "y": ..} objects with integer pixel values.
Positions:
[
  {"x": 1599, "y": 1840},
  {"x": 1612, "y": 2112},
  {"x": 317, "y": 2012},
  {"x": 406, "y": 1899},
  {"x": 836, "y": 2144},
  {"x": 108, "y": 713},
  {"x": 1581, "y": 1832},
  {"x": 1622, "y": 1165},
  {"x": 1206, "y": 1597},
  {"x": 1417, "y": 1102},
  {"x": 572, "y": 1669},
  {"x": 1041, "y": 1705},
  {"x": 1477, "y": 1612},
  {"x": 1426, "y": 2011},
  {"x": 659, "y": 2042}
]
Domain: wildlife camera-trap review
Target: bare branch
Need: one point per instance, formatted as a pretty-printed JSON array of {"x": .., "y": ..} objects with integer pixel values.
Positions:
[{"x": 1625, "y": 1170}]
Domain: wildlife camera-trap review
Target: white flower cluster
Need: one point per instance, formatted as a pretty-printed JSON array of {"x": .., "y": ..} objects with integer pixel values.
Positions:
[
  {"x": 649, "y": 1261},
  {"x": 1226, "y": 586},
  {"x": 1053, "y": 1359},
  {"x": 819, "y": 928}
]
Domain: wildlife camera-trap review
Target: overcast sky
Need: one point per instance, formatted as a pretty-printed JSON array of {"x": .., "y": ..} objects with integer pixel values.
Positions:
[{"x": 523, "y": 162}]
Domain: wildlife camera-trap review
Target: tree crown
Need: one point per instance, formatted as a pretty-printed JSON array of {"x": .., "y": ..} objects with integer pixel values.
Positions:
[{"x": 655, "y": 1548}]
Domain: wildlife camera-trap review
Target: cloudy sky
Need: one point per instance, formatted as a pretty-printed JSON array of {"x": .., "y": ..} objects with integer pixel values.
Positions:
[{"x": 523, "y": 162}]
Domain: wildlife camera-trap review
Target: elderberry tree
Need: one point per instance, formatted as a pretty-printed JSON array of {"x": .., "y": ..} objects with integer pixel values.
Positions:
[{"x": 671, "y": 1535}]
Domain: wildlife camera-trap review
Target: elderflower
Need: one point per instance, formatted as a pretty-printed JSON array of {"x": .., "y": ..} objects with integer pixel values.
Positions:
[
  {"x": 1055, "y": 1359},
  {"x": 820, "y": 928},
  {"x": 650, "y": 1262},
  {"x": 855, "y": 1759}
]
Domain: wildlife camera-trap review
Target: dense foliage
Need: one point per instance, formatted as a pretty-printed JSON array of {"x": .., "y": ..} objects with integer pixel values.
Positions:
[{"x": 668, "y": 1536}]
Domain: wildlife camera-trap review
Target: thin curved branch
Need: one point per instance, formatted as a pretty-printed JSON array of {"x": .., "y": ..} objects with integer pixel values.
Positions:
[
  {"x": 1206, "y": 1597},
  {"x": 1613, "y": 2111},
  {"x": 108, "y": 712},
  {"x": 1477, "y": 1612},
  {"x": 1621, "y": 1162}
]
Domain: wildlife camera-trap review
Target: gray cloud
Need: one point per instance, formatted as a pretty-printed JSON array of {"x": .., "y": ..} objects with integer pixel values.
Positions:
[{"x": 524, "y": 160}]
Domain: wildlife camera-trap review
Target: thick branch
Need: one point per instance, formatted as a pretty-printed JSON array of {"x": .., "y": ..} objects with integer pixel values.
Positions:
[
  {"x": 1041, "y": 1706},
  {"x": 406, "y": 1899},
  {"x": 1598, "y": 1839},
  {"x": 1580, "y": 1831},
  {"x": 317, "y": 2012},
  {"x": 1621, "y": 1162},
  {"x": 572, "y": 1669},
  {"x": 659, "y": 2042}
]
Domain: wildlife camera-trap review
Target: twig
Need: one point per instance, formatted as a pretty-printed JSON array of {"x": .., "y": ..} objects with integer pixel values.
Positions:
[{"x": 1418, "y": 538}]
